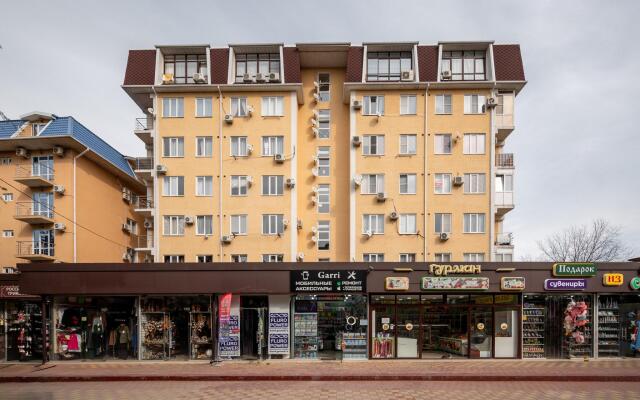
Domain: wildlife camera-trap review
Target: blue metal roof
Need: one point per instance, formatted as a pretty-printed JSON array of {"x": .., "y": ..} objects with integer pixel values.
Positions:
[{"x": 8, "y": 128}]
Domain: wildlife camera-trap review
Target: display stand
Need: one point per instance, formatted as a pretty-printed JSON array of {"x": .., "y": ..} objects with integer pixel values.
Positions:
[
  {"x": 306, "y": 335},
  {"x": 355, "y": 346},
  {"x": 155, "y": 335},
  {"x": 533, "y": 328},
  {"x": 200, "y": 335},
  {"x": 609, "y": 332}
]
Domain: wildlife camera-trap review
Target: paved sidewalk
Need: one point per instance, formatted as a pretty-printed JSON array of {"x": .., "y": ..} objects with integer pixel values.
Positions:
[{"x": 623, "y": 370}]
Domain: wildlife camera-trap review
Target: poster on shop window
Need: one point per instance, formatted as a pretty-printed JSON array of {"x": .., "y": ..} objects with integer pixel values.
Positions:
[
  {"x": 279, "y": 324},
  {"x": 229, "y": 326}
]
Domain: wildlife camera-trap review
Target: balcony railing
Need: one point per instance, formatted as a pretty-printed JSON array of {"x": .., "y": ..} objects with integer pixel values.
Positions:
[
  {"x": 504, "y": 239},
  {"x": 142, "y": 241},
  {"x": 144, "y": 124},
  {"x": 34, "y": 250},
  {"x": 504, "y": 199},
  {"x": 504, "y": 160},
  {"x": 34, "y": 212},
  {"x": 34, "y": 174},
  {"x": 143, "y": 163},
  {"x": 143, "y": 202}
]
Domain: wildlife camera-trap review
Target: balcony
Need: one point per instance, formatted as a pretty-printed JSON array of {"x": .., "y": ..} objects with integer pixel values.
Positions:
[
  {"x": 504, "y": 203},
  {"x": 143, "y": 167},
  {"x": 34, "y": 251},
  {"x": 143, "y": 128},
  {"x": 34, "y": 175},
  {"x": 143, "y": 205},
  {"x": 504, "y": 116},
  {"x": 504, "y": 160},
  {"x": 504, "y": 239},
  {"x": 142, "y": 243},
  {"x": 33, "y": 213}
]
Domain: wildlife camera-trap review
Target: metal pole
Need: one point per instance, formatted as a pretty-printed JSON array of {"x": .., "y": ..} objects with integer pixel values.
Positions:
[
  {"x": 44, "y": 329},
  {"x": 215, "y": 360}
]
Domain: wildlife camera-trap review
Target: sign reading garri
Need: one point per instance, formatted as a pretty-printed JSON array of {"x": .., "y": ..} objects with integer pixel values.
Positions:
[{"x": 329, "y": 281}]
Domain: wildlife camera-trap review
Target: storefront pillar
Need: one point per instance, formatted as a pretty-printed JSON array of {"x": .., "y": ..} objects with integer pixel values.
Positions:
[{"x": 45, "y": 330}]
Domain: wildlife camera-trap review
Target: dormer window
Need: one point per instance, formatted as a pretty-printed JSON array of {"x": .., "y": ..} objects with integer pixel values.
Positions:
[
  {"x": 463, "y": 65},
  {"x": 388, "y": 66},
  {"x": 37, "y": 128},
  {"x": 184, "y": 67},
  {"x": 257, "y": 67}
]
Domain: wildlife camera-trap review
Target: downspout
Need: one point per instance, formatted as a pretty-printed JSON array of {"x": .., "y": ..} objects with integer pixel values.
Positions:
[
  {"x": 156, "y": 190},
  {"x": 426, "y": 177},
  {"x": 75, "y": 197},
  {"x": 220, "y": 216}
]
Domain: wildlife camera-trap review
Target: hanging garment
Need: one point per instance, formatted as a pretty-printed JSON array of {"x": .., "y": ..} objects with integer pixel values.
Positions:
[
  {"x": 74, "y": 343},
  {"x": 112, "y": 337},
  {"x": 124, "y": 335},
  {"x": 96, "y": 325}
]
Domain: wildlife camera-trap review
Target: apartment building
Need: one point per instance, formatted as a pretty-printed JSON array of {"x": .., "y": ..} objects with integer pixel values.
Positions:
[
  {"x": 65, "y": 194},
  {"x": 326, "y": 151}
]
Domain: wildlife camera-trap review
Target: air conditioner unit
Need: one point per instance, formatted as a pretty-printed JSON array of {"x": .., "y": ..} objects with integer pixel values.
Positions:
[
  {"x": 314, "y": 158},
  {"x": 22, "y": 152},
  {"x": 381, "y": 196},
  {"x": 148, "y": 224},
  {"x": 315, "y": 171},
  {"x": 446, "y": 74},
  {"x": 126, "y": 256},
  {"x": 273, "y": 77},
  {"x": 394, "y": 216},
  {"x": 299, "y": 224},
  {"x": 300, "y": 256},
  {"x": 357, "y": 104},
  {"x": 314, "y": 229},
  {"x": 249, "y": 110},
  {"x": 199, "y": 78},
  {"x": 458, "y": 181},
  {"x": 406, "y": 75},
  {"x": 316, "y": 97},
  {"x": 316, "y": 131},
  {"x": 356, "y": 141},
  {"x": 188, "y": 220},
  {"x": 247, "y": 78},
  {"x": 58, "y": 151},
  {"x": 59, "y": 226},
  {"x": 357, "y": 180},
  {"x": 314, "y": 239},
  {"x": 249, "y": 149},
  {"x": 58, "y": 189},
  {"x": 368, "y": 234},
  {"x": 228, "y": 118},
  {"x": 314, "y": 199},
  {"x": 167, "y": 79},
  {"x": 314, "y": 122},
  {"x": 249, "y": 180},
  {"x": 226, "y": 239},
  {"x": 444, "y": 236},
  {"x": 126, "y": 227},
  {"x": 491, "y": 102},
  {"x": 161, "y": 169},
  {"x": 314, "y": 189},
  {"x": 260, "y": 77},
  {"x": 279, "y": 158},
  {"x": 285, "y": 223},
  {"x": 291, "y": 182}
]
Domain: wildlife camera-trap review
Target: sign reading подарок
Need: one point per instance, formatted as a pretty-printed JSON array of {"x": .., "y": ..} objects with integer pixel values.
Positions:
[
  {"x": 575, "y": 269},
  {"x": 329, "y": 281},
  {"x": 565, "y": 284}
]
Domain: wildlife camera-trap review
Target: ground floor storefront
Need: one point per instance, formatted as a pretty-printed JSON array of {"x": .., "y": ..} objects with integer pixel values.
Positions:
[{"x": 322, "y": 311}]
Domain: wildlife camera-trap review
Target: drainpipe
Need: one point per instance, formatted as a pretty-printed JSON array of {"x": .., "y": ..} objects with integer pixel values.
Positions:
[
  {"x": 426, "y": 177},
  {"x": 220, "y": 216},
  {"x": 75, "y": 197}
]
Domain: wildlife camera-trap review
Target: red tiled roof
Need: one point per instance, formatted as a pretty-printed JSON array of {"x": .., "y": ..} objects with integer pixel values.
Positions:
[
  {"x": 354, "y": 64},
  {"x": 219, "y": 66},
  {"x": 141, "y": 67},
  {"x": 291, "y": 65},
  {"x": 428, "y": 63},
  {"x": 508, "y": 62}
]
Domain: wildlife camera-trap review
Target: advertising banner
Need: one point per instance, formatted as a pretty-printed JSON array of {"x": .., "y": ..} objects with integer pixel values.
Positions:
[
  {"x": 455, "y": 283},
  {"x": 331, "y": 281},
  {"x": 229, "y": 326},
  {"x": 574, "y": 269},
  {"x": 279, "y": 324},
  {"x": 514, "y": 283}
]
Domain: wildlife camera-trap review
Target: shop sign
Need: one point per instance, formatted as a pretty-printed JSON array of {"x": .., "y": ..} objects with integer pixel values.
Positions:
[
  {"x": 396, "y": 283},
  {"x": 512, "y": 283},
  {"x": 565, "y": 284},
  {"x": 458, "y": 269},
  {"x": 575, "y": 269},
  {"x": 329, "y": 281},
  {"x": 613, "y": 279},
  {"x": 635, "y": 283},
  {"x": 11, "y": 291},
  {"x": 455, "y": 283},
  {"x": 279, "y": 324}
]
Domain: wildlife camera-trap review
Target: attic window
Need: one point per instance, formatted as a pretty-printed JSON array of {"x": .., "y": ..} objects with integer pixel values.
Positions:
[{"x": 37, "y": 128}]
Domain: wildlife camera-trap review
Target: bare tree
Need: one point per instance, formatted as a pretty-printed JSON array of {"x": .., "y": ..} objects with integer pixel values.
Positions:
[{"x": 598, "y": 242}]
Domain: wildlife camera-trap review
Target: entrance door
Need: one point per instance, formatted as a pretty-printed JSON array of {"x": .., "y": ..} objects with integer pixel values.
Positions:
[
  {"x": 248, "y": 333},
  {"x": 481, "y": 339},
  {"x": 408, "y": 331},
  {"x": 43, "y": 242}
]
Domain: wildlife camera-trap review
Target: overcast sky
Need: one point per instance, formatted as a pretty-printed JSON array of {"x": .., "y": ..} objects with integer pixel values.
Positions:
[{"x": 577, "y": 149}]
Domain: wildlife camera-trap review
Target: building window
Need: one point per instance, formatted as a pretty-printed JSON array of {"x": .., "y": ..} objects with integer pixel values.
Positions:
[
  {"x": 204, "y": 186},
  {"x": 9, "y": 270},
  {"x": 323, "y": 235},
  {"x": 408, "y": 224},
  {"x": 272, "y": 257},
  {"x": 504, "y": 183},
  {"x": 464, "y": 65},
  {"x": 407, "y": 183},
  {"x": 443, "y": 257},
  {"x": 173, "y": 147},
  {"x": 442, "y": 183},
  {"x": 473, "y": 223},
  {"x": 373, "y": 145},
  {"x": 203, "y": 107},
  {"x": 324, "y": 259},
  {"x": 252, "y": 64},
  {"x": 173, "y": 186},
  {"x": 183, "y": 66},
  {"x": 239, "y": 224},
  {"x": 205, "y": 258},
  {"x": 272, "y": 106},
  {"x": 43, "y": 242},
  {"x": 43, "y": 204},
  {"x": 388, "y": 66},
  {"x": 272, "y": 224},
  {"x": 373, "y": 223},
  {"x": 5, "y": 160},
  {"x": 324, "y": 124},
  {"x": 504, "y": 257},
  {"x": 323, "y": 199},
  {"x": 272, "y": 185},
  {"x": 443, "y": 223},
  {"x": 173, "y": 107},
  {"x": 204, "y": 225},
  {"x": 7, "y": 233},
  {"x": 474, "y": 143},
  {"x": 442, "y": 143},
  {"x": 133, "y": 226},
  {"x": 204, "y": 146},
  {"x": 324, "y": 161},
  {"x": 37, "y": 128},
  {"x": 474, "y": 183},
  {"x": 373, "y": 257},
  {"x": 7, "y": 197},
  {"x": 239, "y": 146},
  {"x": 473, "y": 257},
  {"x": 443, "y": 104},
  {"x": 408, "y": 104},
  {"x": 272, "y": 145},
  {"x": 173, "y": 225},
  {"x": 473, "y": 104},
  {"x": 324, "y": 86},
  {"x": 408, "y": 144},
  {"x": 239, "y": 258},
  {"x": 239, "y": 185},
  {"x": 177, "y": 258},
  {"x": 372, "y": 184},
  {"x": 407, "y": 257},
  {"x": 373, "y": 105},
  {"x": 239, "y": 107}
]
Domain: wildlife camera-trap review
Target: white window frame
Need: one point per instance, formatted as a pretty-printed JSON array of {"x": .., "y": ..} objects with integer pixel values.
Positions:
[
  {"x": 373, "y": 142},
  {"x": 207, "y": 227},
  {"x": 272, "y": 145},
  {"x": 173, "y": 258},
  {"x": 474, "y": 104},
  {"x": 274, "y": 225},
  {"x": 173, "y": 146},
  {"x": 324, "y": 235},
  {"x": 373, "y": 223},
  {"x": 406, "y": 104},
  {"x": 408, "y": 144},
  {"x": 440, "y": 143},
  {"x": 238, "y": 224},
  {"x": 324, "y": 95},
  {"x": 408, "y": 224},
  {"x": 445, "y": 183},
  {"x": 474, "y": 223},
  {"x": 441, "y": 106},
  {"x": 474, "y": 143},
  {"x": 324, "y": 124},
  {"x": 7, "y": 197},
  {"x": 445, "y": 219},
  {"x": 8, "y": 233},
  {"x": 504, "y": 257},
  {"x": 473, "y": 182},
  {"x": 239, "y": 258},
  {"x": 473, "y": 257},
  {"x": 373, "y": 257},
  {"x": 272, "y": 106},
  {"x": 411, "y": 179},
  {"x": 271, "y": 258},
  {"x": 204, "y": 182},
  {"x": 407, "y": 257},
  {"x": 204, "y": 107},
  {"x": 365, "y": 187},
  {"x": 175, "y": 225},
  {"x": 323, "y": 154},
  {"x": 239, "y": 107},
  {"x": 241, "y": 146},
  {"x": 504, "y": 183},
  {"x": 442, "y": 257},
  {"x": 323, "y": 198},
  {"x": 368, "y": 105},
  {"x": 242, "y": 182},
  {"x": 202, "y": 258},
  {"x": 204, "y": 146},
  {"x": 173, "y": 107},
  {"x": 171, "y": 186},
  {"x": 272, "y": 185}
]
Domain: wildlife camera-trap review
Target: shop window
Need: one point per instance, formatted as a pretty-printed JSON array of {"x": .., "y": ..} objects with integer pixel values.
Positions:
[
  {"x": 432, "y": 299},
  {"x": 238, "y": 258},
  {"x": 481, "y": 339},
  {"x": 408, "y": 299},
  {"x": 457, "y": 299},
  {"x": 23, "y": 335}
]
